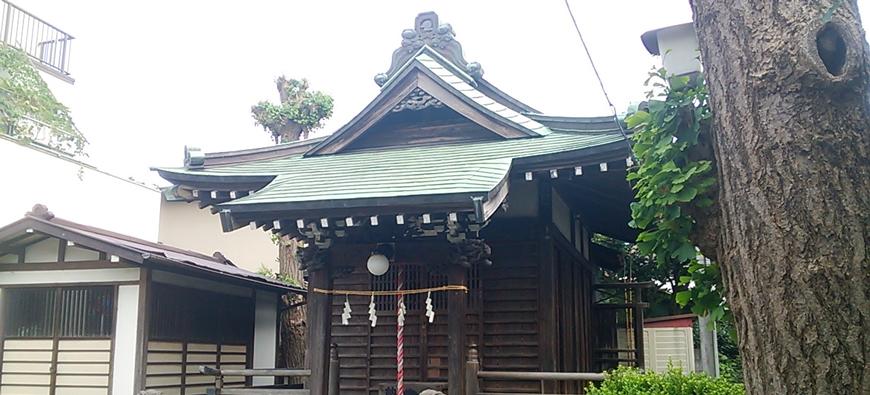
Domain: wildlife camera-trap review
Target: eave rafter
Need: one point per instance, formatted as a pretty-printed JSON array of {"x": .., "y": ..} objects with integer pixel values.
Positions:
[{"x": 322, "y": 232}]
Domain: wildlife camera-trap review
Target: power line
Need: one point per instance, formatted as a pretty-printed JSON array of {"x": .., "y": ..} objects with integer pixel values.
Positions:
[{"x": 598, "y": 76}]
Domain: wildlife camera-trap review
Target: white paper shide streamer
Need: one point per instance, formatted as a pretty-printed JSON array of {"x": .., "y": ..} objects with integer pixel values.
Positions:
[
  {"x": 345, "y": 314},
  {"x": 373, "y": 313},
  {"x": 402, "y": 311},
  {"x": 430, "y": 311}
]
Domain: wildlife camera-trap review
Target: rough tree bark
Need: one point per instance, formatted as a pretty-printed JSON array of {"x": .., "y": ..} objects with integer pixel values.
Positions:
[
  {"x": 789, "y": 92},
  {"x": 292, "y": 319},
  {"x": 290, "y": 131}
]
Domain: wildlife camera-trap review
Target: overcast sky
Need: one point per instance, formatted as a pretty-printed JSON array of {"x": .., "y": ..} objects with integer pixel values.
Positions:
[{"x": 153, "y": 76}]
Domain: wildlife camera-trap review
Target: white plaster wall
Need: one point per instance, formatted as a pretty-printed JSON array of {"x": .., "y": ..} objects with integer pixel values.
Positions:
[
  {"x": 124, "y": 358},
  {"x": 35, "y": 277},
  {"x": 265, "y": 334},
  {"x": 185, "y": 225},
  {"x": 97, "y": 199},
  {"x": 78, "y": 254},
  {"x": 561, "y": 215},
  {"x": 42, "y": 252}
]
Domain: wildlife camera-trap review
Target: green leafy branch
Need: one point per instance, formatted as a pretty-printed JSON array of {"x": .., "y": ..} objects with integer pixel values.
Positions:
[
  {"x": 28, "y": 109},
  {"x": 667, "y": 182},
  {"x": 285, "y": 278}
]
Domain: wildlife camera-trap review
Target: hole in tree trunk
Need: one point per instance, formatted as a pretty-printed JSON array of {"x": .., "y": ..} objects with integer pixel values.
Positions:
[{"x": 832, "y": 48}]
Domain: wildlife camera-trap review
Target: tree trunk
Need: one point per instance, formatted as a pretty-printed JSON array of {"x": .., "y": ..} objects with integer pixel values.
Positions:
[
  {"x": 789, "y": 93},
  {"x": 292, "y": 319}
]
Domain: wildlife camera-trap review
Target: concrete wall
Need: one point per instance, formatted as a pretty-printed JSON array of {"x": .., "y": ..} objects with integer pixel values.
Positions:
[
  {"x": 184, "y": 225},
  {"x": 74, "y": 191}
]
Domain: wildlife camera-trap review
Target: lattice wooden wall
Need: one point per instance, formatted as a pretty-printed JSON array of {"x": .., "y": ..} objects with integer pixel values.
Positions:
[
  {"x": 81, "y": 367},
  {"x": 173, "y": 367}
]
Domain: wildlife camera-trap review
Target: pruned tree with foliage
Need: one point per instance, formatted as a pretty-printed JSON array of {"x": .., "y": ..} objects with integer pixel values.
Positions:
[
  {"x": 28, "y": 109},
  {"x": 788, "y": 217},
  {"x": 299, "y": 112}
]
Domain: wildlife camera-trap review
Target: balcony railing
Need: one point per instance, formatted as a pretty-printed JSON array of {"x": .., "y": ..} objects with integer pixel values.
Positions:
[{"x": 46, "y": 44}]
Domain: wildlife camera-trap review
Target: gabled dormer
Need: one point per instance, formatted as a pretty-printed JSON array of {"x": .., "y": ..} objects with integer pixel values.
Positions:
[{"x": 432, "y": 95}]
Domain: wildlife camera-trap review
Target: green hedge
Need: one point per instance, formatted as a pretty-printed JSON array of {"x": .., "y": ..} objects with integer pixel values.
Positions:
[{"x": 629, "y": 381}]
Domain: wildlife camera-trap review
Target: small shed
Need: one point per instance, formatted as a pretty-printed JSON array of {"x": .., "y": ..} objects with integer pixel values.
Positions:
[
  {"x": 669, "y": 341},
  {"x": 87, "y": 311}
]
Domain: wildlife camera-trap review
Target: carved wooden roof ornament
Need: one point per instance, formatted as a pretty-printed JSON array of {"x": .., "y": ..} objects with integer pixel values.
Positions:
[
  {"x": 429, "y": 32},
  {"x": 311, "y": 257},
  {"x": 417, "y": 100},
  {"x": 470, "y": 252}
]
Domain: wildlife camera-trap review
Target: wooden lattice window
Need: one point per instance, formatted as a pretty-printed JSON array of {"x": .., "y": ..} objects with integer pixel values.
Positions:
[
  {"x": 385, "y": 282},
  {"x": 75, "y": 312},
  {"x": 30, "y": 312},
  {"x": 194, "y": 315},
  {"x": 418, "y": 277},
  {"x": 475, "y": 294}
]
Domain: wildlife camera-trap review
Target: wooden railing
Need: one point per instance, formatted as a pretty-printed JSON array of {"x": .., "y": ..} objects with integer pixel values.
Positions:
[
  {"x": 219, "y": 374},
  {"x": 626, "y": 299},
  {"x": 473, "y": 375}
]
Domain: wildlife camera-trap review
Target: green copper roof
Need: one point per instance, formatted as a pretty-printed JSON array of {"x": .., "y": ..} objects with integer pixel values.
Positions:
[
  {"x": 438, "y": 65},
  {"x": 470, "y": 167}
]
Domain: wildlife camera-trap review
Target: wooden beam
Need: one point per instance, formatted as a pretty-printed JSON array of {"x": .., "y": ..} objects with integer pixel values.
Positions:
[
  {"x": 637, "y": 315},
  {"x": 261, "y": 391},
  {"x": 319, "y": 330},
  {"x": 535, "y": 376},
  {"x": 209, "y": 371},
  {"x": 456, "y": 303},
  {"x": 142, "y": 327}
]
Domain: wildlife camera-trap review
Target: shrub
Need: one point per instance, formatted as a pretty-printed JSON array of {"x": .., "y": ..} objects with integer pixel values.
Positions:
[{"x": 630, "y": 381}]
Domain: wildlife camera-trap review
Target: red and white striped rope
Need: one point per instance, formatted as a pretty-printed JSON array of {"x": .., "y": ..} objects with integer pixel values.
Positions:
[{"x": 400, "y": 337}]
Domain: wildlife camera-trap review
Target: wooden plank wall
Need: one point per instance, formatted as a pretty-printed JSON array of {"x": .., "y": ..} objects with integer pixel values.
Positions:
[
  {"x": 27, "y": 366},
  {"x": 368, "y": 354},
  {"x": 501, "y": 318},
  {"x": 82, "y": 366},
  {"x": 574, "y": 316},
  {"x": 173, "y": 367},
  {"x": 511, "y": 330}
]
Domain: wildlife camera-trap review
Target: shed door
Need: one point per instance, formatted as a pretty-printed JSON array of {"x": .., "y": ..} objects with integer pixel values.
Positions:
[{"x": 57, "y": 341}]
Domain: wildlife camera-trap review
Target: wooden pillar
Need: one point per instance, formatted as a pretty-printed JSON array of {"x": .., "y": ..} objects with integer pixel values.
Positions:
[
  {"x": 456, "y": 302},
  {"x": 472, "y": 385},
  {"x": 547, "y": 325},
  {"x": 334, "y": 370},
  {"x": 143, "y": 325},
  {"x": 637, "y": 315},
  {"x": 319, "y": 330}
]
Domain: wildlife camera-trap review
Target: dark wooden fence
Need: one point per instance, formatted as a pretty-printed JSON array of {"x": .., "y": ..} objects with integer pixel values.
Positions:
[
  {"x": 473, "y": 376},
  {"x": 219, "y": 375}
]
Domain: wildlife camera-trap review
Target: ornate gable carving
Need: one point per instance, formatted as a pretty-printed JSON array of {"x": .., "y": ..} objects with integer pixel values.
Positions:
[
  {"x": 440, "y": 37},
  {"x": 417, "y": 100}
]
